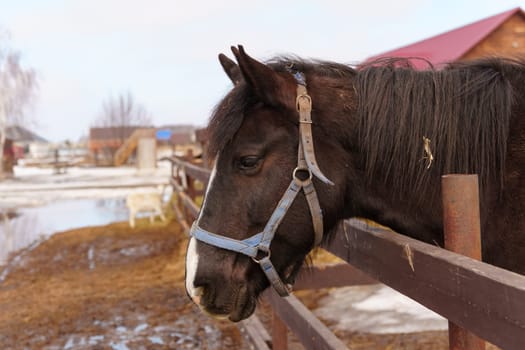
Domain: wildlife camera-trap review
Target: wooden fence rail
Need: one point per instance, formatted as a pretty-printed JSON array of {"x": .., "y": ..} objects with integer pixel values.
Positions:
[{"x": 486, "y": 300}]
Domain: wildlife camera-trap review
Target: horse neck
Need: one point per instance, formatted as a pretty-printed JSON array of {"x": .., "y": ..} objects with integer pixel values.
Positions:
[{"x": 366, "y": 196}]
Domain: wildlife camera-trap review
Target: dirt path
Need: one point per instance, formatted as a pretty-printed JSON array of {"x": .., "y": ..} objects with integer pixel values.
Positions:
[{"x": 106, "y": 288}]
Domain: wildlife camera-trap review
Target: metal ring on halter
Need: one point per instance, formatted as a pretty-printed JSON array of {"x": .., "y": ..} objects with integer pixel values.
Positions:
[
  {"x": 297, "y": 179},
  {"x": 264, "y": 250}
]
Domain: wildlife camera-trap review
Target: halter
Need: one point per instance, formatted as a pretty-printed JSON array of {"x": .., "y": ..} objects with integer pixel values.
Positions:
[{"x": 258, "y": 246}]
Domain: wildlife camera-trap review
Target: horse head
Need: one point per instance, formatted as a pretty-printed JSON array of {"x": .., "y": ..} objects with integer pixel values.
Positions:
[{"x": 259, "y": 218}]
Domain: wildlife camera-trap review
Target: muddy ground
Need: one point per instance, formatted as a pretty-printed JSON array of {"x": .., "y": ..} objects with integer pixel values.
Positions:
[
  {"x": 106, "y": 288},
  {"x": 112, "y": 287}
]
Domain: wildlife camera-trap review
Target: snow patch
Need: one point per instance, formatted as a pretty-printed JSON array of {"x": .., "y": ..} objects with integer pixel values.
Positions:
[
  {"x": 140, "y": 327},
  {"x": 95, "y": 339},
  {"x": 377, "y": 309},
  {"x": 90, "y": 258},
  {"x": 138, "y": 251},
  {"x": 156, "y": 340},
  {"x": 118, "y": 346},
  {"x": 121, "y": 329},
  {"x": 70, "y": 343}
]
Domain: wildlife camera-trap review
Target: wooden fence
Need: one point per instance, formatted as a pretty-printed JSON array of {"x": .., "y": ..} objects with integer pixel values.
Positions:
[{"x": 481, "y": 298}]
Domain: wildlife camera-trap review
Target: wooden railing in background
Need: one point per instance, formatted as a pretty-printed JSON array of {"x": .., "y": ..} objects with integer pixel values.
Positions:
[{"x": 481, "y": 298}]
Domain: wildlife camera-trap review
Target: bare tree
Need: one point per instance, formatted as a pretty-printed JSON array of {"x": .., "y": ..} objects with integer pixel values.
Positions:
[
  {"x": 119, "y": 117},
  {"x": 17, "y": 89}
]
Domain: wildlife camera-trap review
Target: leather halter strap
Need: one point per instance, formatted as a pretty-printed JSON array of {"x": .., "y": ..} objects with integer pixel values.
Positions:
[
  {"x": 304, "y": 106},
  {"x": 258, "y": 246}
]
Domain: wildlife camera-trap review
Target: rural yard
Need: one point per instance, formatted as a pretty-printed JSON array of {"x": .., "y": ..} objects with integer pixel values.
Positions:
[
  {"x": 113, "y": 287},
  {"x": 375, "y": 182}
]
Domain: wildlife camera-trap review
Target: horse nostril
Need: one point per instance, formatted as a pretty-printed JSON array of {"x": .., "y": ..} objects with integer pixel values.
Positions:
[
  {"x": 197, "y": 296},
  {"x": 202, "y": 290}
]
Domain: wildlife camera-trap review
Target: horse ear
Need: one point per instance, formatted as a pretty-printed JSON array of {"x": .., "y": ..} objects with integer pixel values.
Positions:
[
  {"x": 270, "y": 86},
  {"x": 231, "y": 69}
]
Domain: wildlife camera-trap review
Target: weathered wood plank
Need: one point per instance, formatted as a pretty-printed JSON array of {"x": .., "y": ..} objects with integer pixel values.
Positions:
[
  {"x": 330, "y": 276},
  {"x": 279, "y": 333},
  {"x": 180, "y": 218},
  {"x": 253, "y": 329},
  {"x": 185, "y": 199},
  {"x": 195, "y": 171},
  {"x": 311, "y": 332},
  {"x": 462, "y": 233},
  {"x": 484, "y": 299}
]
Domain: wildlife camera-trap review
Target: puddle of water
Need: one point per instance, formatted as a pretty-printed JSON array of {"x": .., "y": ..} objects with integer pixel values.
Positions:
[{"x": 36, "y": 223}]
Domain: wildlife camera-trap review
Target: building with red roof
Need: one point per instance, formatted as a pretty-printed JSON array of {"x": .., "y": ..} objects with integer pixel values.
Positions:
[{"x": 499, "y": 35}]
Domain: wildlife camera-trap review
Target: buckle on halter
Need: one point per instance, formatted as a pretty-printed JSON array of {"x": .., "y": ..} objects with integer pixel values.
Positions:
[{"x": 303, "y": 102}]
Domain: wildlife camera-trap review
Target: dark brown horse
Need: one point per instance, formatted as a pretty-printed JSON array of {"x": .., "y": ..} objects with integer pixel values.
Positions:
[{"x": 375, "y": 129}]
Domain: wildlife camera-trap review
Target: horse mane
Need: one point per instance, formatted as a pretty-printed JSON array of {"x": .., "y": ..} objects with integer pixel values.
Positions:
[
  {"x": 226, "y": 119},
  {"x": 463, "y": 110}
]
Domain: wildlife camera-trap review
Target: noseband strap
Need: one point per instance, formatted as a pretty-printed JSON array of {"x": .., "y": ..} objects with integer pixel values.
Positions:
[{"x": 258, "y": 246}]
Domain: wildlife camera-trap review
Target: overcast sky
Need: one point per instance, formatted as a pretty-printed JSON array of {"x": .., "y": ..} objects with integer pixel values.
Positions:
[{"x": 165, "y": 51}]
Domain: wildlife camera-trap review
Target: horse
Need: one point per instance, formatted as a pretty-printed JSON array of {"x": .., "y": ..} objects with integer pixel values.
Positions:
[{"x": 369, "y": 141}]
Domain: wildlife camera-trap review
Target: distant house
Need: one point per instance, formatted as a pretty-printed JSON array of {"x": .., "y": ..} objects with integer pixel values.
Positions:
[
  {"x": 181, "y": 140},
  {"x": 105, "y": 141},
  {"x": 8, "y": 158},
  {"x": 101, "y": 138},
  {"x": 117, "y": 145},
  {"x": 179, "y": 134},
  {"x": 27, "y": 143},
  {"x": 20, "y": 142},
  {"x": 22, "y": 135},
  {"x": 499, "y": 35}
]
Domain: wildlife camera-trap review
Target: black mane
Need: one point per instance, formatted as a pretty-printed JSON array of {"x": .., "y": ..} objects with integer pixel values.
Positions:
[{"x": 463, "y": 109}]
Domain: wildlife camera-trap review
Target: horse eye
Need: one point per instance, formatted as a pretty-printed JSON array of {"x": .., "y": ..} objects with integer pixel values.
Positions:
[{"x": 249, "y": 162}]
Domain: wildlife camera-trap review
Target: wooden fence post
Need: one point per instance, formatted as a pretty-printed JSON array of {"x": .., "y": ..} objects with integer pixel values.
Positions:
[
  {"x": 279, "y": 333},
  {"x": 461, "y": 227}
]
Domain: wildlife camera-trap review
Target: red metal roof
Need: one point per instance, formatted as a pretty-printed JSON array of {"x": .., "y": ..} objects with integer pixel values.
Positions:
[{"x": 450, "y": 45}]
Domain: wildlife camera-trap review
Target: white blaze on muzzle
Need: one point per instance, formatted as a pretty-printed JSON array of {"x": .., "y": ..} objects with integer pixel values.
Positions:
[
  {"x": 192, "y": 262},
  {"x": 192, "y": 255}
]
